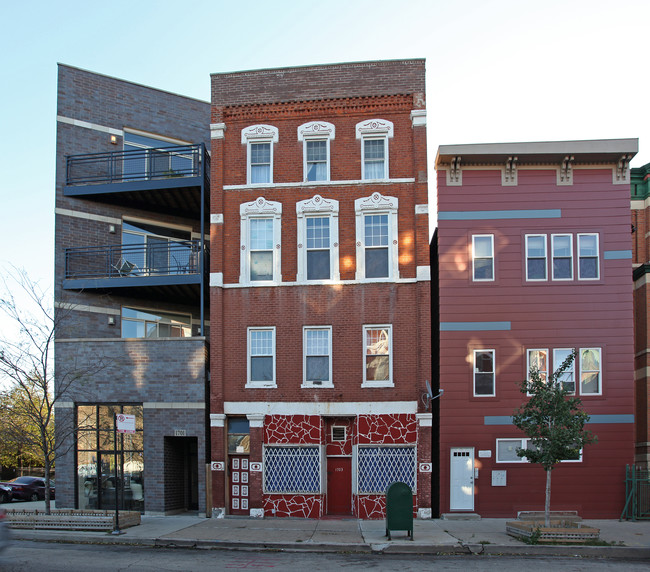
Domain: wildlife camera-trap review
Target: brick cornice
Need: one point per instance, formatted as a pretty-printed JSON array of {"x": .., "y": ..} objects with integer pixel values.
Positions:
[{"x": 309, "y": 108}]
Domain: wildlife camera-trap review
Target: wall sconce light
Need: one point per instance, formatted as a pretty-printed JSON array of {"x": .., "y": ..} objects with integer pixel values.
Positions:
[
  {"x": 111, "y": 320},
  {"x": 111, "y": 228},
  {"x": 113, "y": 139}
]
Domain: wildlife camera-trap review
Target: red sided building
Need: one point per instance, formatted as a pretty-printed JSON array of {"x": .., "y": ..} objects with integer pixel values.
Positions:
[
  {"x": 319, "y": 290},
  {"x": 534, "y": 258}
]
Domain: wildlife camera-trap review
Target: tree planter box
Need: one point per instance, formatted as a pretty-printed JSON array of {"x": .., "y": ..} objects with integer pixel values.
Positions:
[
  {"x": 567, "y": 532},
  {"x": 72, "y": 519}
]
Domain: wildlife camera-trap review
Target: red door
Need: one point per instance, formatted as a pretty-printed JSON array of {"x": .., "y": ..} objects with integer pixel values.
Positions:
[
  {"x": 339, "y": 485},
  {"x": 239, "y": 485}
]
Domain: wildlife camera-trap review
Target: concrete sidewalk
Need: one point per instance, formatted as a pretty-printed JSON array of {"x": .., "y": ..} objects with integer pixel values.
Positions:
[{"x": 436, "y": 536}]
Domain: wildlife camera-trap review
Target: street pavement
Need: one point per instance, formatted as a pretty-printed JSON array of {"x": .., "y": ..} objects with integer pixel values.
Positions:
[{"x": 435, "y": 536}]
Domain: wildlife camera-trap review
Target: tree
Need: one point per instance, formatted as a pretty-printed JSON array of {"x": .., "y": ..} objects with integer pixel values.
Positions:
[
  {"x": 554, "y": 421},
  {"x": 27, "y": 404}
]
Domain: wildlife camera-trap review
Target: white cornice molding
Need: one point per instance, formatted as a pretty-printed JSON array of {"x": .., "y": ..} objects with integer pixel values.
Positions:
[
  {"x": 319, "y": 408},
  {"x": 304, "y": 184},
  {"x": 88, "y": 125}
]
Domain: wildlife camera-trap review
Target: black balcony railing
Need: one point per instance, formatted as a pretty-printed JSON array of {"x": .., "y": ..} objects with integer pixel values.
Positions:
[
  {"x": 138, "y": 165},
  {"x": 162, "y": 258}
]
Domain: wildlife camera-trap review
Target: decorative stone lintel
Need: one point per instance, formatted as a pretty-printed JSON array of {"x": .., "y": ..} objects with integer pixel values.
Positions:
[{"x": 424, "y": 419}]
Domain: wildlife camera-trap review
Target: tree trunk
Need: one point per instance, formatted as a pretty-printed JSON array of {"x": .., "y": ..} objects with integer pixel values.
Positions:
[
  {"x": 547, "y": 502},
  {"x": 47, "y": 487}
]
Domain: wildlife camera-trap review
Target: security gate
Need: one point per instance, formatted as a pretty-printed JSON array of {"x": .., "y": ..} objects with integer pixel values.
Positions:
[{"x": 637, "y": 493}]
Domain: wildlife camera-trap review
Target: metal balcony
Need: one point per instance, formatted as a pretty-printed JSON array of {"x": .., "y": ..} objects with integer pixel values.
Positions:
[
  {"x": 157, "y": 270},
  {"x": 169, "y": 180}
]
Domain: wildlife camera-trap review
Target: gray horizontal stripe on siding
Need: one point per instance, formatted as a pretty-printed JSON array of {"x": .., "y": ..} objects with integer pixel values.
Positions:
[
  {"x": 491, "y": 215},
  {"x": 614, "y": 418},
  {"x": 474, "y": 326},
  {"x": 617, "y": 255}
]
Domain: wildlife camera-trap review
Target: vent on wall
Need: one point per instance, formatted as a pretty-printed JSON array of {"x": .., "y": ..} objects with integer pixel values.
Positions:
[{"x": 338, "y": 433}]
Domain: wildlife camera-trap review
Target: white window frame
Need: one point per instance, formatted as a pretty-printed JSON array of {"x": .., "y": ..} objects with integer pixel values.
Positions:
[
  {"x": 164, "y": 317},
  {"x": 259, "y": 384},
  {"x": 553, "y": 257},
  {"x": 475, "y": 258},
  {"x": 475, "y": 371},
  {"x": 527, "y": 237},
  {"x": 585, "y": 234},
  {"x": 319, "y": 207},
  {"x": 258, "y": 134},
  {"x": 377, "y": 204},
  {"x": 310, "y": 383},
  {"x": 380, "y": 383},
  {"x": 259, "y": 208},
  {"x": 571, "y": 372},
  {"x": 374, "y": 129},
  {"x": 543, "y": 372},
  {"x": 600, "y": 371},
  {"x": 316, "y": 131}
]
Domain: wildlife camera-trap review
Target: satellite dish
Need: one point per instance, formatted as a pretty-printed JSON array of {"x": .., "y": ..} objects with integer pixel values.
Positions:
[{"x": 429, "y": 392}]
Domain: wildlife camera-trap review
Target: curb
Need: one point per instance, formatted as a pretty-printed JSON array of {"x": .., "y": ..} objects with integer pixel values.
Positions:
[{"x": 609, "y": 552}]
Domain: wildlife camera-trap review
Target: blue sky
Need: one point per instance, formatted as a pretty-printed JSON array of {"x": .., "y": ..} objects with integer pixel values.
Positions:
[{"x": 496, "y": 71}]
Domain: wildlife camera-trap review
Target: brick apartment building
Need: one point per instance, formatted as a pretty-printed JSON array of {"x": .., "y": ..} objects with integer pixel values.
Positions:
[
  {"x": 132, "y": 188},
  {"x": 640, "y": 183},
  {"x": 318, "y": 298},
  {"x": 534, "y": 256},
  {"x": 319, "y": 289}
]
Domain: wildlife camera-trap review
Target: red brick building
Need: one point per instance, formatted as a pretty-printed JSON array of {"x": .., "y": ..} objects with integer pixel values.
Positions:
[
  {"x": 534, "y": 258},
  {"x": 320, "y": 289}
]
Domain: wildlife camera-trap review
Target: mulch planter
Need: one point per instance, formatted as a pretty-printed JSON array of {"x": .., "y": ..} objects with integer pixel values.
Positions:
[{"x": 562, "y": 530}]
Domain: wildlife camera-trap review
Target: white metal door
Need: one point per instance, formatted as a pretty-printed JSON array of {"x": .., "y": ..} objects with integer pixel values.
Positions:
[{"x": 462, "y": 479}]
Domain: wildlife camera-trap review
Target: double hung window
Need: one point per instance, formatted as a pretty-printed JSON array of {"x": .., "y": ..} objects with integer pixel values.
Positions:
[
  {"x": 316, "y": 137},
  {"x": 588, "y": 257},
  {"x": 261, "y": 357},
  {"x": 587, "y": 362},
  {"x": 567, "y": 377},
  {"x": 260, "y": 242},
  {"x": 259, "y": 140},
  {"x": 374, "y": 135},
  {"x": 317, "y": 239},
  {"x": 318, "y": 356},
  {"x": 377, "y": 350},
  {"x": 536, "y": 257},
  {"x": 484, "y": 373},
  {"x": 538, "y": 361},
  {"x": 377, "y": 238},
  {"x": 483, "y": 257},
  {"x": 562, "y": 247},
  {"x": 590, "y": 371}
]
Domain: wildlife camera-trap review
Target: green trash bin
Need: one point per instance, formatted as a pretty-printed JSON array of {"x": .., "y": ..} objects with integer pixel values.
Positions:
[{"x": 399, "y": 509}]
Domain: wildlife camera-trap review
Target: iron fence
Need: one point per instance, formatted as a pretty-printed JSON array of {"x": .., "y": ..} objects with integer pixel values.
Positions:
[{"x": 637, "y": 493}]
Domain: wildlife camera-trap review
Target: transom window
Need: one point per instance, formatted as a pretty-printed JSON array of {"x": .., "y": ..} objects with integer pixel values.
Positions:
[
  {"x": 377, "y": 349},
  {"x": 507, "y": 451},
  {"x": 154, "y": 324},
  {"x": 483, "y": 257},
  {"x": 318, "y": 356},
  {"x": 261, "y": 357},
  {"x": 484, "y": 373}
]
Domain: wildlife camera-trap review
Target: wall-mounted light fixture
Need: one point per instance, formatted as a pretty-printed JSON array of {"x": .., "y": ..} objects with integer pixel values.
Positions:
[
  {"x": 113, "y": 139},
  {"x": 111, "y": 320},
  {"x": 111, "y": 228}
]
